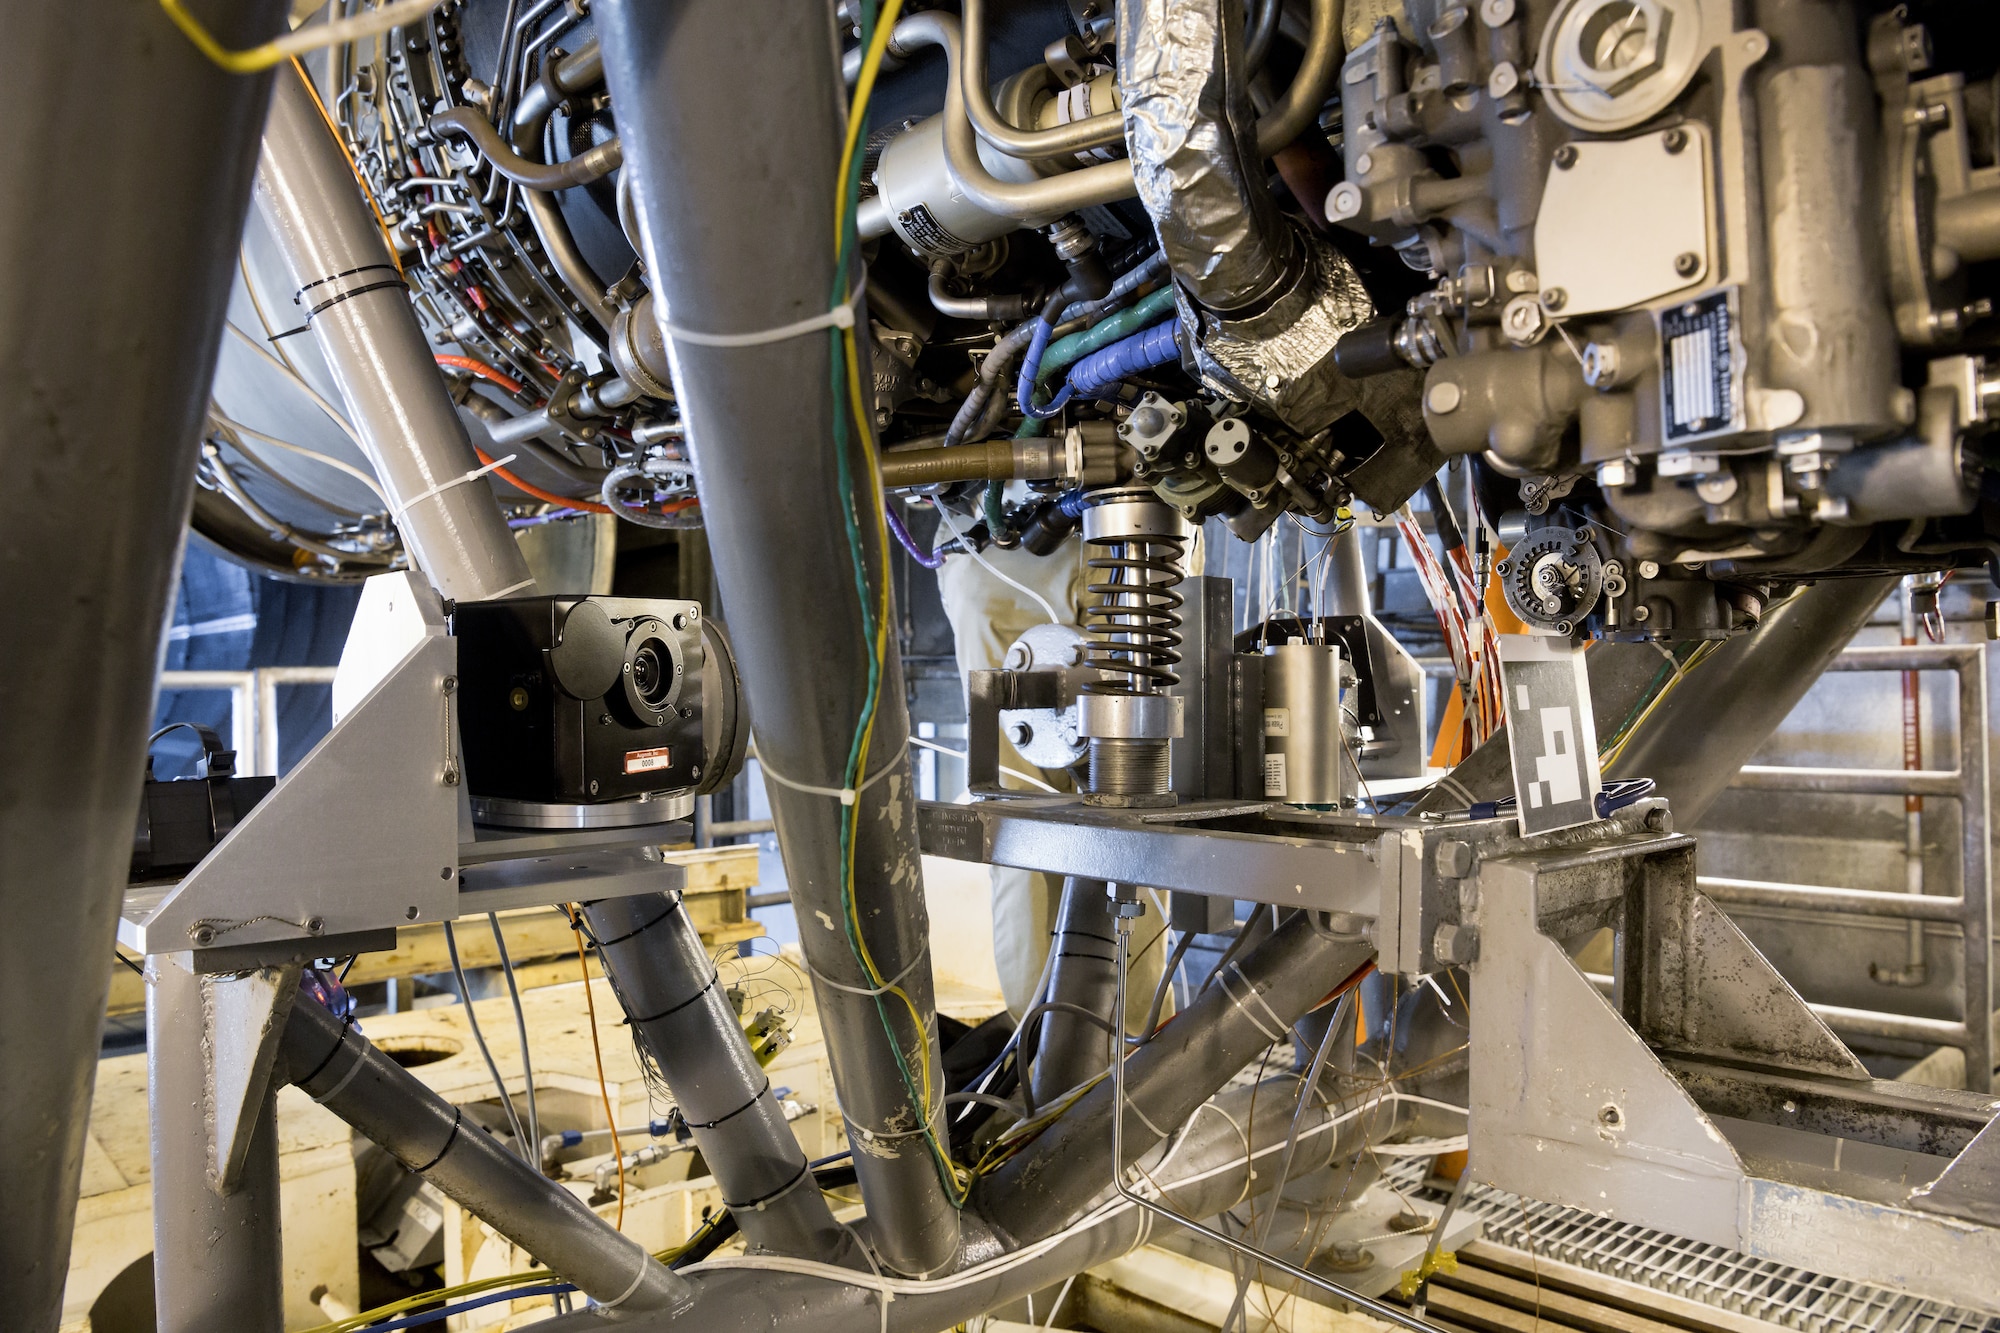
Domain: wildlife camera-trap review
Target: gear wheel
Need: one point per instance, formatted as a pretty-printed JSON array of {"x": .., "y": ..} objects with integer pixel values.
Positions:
[{"x": 1553, "y": 579}]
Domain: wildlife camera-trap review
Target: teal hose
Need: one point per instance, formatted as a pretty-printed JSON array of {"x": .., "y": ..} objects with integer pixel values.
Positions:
[
  {"x": 996, "y": 517},
  {"x": 1066, "y": 352}
]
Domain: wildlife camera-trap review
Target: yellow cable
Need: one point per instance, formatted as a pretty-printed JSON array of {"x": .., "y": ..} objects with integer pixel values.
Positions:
[
  {"x": 354, "y": 170},
  {"x": 312, "y": 37},
  {"x": 871, "y": 64}
]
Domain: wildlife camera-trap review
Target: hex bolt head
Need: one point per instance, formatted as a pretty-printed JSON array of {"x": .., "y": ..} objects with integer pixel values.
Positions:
[
  {"x": 1687, "y": 263},
  {"x": 202, "y": 935},
  {"x": 1453, "y": 858},
  {"x": 315, "y": 925},
  {"x": 1457, "y": 945},
  {"x": 1019, "y": 733},
  {"x": 1565, "y": 157},
  {"x": 1660, "y": 820},
  {"x": 1555, "y": 298}
]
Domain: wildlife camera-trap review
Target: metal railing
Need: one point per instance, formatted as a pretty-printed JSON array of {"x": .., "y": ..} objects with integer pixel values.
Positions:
[
  {"x": 253, "y": 707},
  {"x": 1971, "y": 910}
]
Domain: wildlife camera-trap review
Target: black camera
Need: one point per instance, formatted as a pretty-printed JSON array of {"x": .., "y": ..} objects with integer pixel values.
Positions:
[{"x": 614, "y": 703}]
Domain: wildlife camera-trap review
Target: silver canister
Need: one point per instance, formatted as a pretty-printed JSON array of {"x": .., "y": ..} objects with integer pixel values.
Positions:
[{"x": 1304, "y": 749}]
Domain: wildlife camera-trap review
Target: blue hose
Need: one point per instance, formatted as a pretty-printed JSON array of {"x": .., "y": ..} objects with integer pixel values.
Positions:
[
  {"x": 1141, "y": 352},
  {"x": 1031, "y": 365}
]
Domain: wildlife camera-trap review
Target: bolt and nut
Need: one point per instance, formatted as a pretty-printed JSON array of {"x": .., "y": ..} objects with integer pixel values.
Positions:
[{"x": 1455, "y": 944}]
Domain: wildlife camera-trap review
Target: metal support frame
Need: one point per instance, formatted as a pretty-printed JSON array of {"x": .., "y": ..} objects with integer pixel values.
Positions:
[
  {"x": 1572, "y": 1103},
  {"x": 1971, "y": 910},
  {"x": 210, "y": 1044},
  {"x": 760, "y": 426},
  {"x": 114, "y": 285}
]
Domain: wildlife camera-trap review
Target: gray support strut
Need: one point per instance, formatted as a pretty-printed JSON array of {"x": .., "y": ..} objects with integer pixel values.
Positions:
[
  {"x": 1716, "y": 718},
  {"x": 675, "y": 1002},
  {"x": 1085, "y": 974},
  {"x": 739, "y": 1300},
  {"x": 338, "y": 1068},
  {"x": 736, "y": 215},
  {"x": 217, "y": 1257},
  {"x": 349, "y": 293},
  {"x": 114, "y": 275},
  {"x": 1250, "y": 1005}
]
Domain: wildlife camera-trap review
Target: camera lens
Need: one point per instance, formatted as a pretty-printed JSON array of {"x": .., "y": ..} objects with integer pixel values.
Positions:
[{"x": 652, "y": 673}]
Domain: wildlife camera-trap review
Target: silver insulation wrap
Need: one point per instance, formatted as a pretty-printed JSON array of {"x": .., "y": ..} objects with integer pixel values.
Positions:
[
  {"x": 1192, "y": 134},
  {"x": 1281, "y": 358}
]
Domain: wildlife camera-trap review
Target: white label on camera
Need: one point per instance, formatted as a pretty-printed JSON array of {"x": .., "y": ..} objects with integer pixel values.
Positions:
[
  {"x": 1277, "y": 721},
  {"x": 645, "y": 761},
  {"x": 1274, "y": 774}
]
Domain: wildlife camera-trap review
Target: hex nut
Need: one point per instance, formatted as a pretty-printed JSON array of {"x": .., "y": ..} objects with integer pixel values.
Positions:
[
  {"x": 1660, "y": 820},
  {"x": 1458, "y": 945}
]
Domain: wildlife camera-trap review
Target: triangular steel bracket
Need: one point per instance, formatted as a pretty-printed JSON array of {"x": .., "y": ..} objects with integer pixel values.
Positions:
[
  {"x": 1970, "y": 1186},
  {"x": 243, "y": 1015},
  {"x": 1706, "y": 990}
]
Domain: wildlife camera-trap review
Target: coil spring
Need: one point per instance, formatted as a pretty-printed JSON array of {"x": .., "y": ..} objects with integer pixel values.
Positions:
[{"x": 1135, "y": 618}]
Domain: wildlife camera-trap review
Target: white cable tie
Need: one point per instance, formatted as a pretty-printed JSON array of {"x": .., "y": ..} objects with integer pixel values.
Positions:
[
  {"x": 345, "y": 1079},
  {"x": 872, "y": 991},
  {"x": 841, "y": 316},
  {"x": 645, "y": 1266},
  {"x": 407, "y": 505},
  {"x": 1237, "y": 1000},
  {"x": 847, "y": 795}
]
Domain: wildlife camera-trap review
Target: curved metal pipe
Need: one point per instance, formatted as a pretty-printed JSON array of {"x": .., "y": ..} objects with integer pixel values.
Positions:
[
  {"x": 1016, "y": 306},
  {"x": 1298, "y": 109},
  {"x": 1106, "y": 182},
  {"x": 592, "y": 164},
  {"x": 1096, "y": 131},
  {"x": 572, "y": 74}
]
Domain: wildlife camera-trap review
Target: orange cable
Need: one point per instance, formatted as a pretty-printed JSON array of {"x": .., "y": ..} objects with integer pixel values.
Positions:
[
  {"x": 597, "y": 1049},
  {"x": 355, "y": 171},
  {"x": 474, "y": 366}
]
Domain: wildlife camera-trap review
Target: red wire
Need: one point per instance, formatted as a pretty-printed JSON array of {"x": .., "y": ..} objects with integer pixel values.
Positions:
[
  {"x": 482, "y": 370},
  {"x": 511, "y": 385}
]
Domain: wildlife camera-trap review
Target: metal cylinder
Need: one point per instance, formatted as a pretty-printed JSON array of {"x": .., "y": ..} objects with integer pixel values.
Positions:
[
  {"x": 351, "y": 295},
  {"x": 760, "y": 424},
  {"x": 113, "y": 286},
  {"x": 1829, "y": 332},
  {"x": 339, "y": 1069},
  {"x": 217, "y": 1259},
  {"x": 686, "y": 1026},
  {"x": 1084, "y": 973},
  {"x": 1306, "y": 757}
]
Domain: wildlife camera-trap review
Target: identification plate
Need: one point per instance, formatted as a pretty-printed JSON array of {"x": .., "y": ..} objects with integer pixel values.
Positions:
[{"x": 647, "y": 761}]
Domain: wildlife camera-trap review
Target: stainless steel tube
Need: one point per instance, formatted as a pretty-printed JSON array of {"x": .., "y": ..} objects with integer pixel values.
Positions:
[
  {"x": 338, "y": 1068},
  {"x": 360, "y": 314},
  {"x": 1251, "y": 1004},
  {"x": 760, "y": 429},
  {"x": 1083, "y": 973},
  {"x": 113, "y": 286},
  {"x": 1303, "y": 99},
  {"x": 676, "y": 1006},
  {"x": 217, "y": 1260},
  {"x": 1693, "y": 744},
  {"x": 593, "y": 164},
  {"x": 973, "y": 79},
  {"x": 1210, "y": 1171}
]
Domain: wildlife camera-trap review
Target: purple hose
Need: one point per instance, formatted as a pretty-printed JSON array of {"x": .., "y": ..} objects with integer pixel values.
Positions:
[{"x": 928, "y": 559}]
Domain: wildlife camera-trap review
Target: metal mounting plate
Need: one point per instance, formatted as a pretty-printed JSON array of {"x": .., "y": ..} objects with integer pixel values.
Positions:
[{"x": 1627, "y": 222}]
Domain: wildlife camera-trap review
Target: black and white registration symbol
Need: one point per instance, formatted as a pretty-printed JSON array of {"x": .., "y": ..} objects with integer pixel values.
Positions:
[{"x": 1550, "y": 732}]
